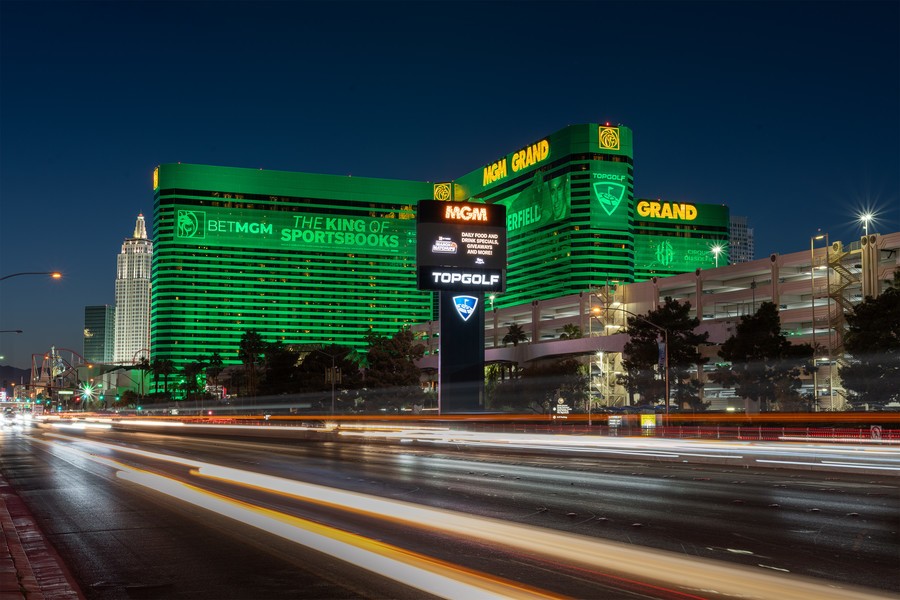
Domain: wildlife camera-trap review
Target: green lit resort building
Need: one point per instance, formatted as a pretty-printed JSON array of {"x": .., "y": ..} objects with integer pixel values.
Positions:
[{"x": 319, "y": 259}]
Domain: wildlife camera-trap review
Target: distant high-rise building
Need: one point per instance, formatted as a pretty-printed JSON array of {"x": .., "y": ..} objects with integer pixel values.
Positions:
[
  {"x": 99, "y": 333},
  {"x": 132, "y": 337},
  {"x": 741, "y": 240}
]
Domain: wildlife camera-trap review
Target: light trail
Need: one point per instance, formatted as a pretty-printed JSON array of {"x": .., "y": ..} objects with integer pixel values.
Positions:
[
  {"x": 412, "y": 569},
  {"x": 811, "y": 455},
  {"x": 597, "y": 556}
]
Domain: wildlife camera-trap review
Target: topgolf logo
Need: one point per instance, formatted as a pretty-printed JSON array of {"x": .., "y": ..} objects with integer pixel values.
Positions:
[{"x": 465, "y": 306}]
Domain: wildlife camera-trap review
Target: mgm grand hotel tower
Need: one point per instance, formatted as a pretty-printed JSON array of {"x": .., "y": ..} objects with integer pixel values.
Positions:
[{"x": 322, "y": 259}]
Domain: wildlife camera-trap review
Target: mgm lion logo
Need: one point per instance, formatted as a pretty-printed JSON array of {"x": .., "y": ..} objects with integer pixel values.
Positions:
[
  {"x": 190, "y": 224},
  {"x": 665, "y": 254},
  {"x": 609, "y": 138},
  {"x": 442, "y": 191}
]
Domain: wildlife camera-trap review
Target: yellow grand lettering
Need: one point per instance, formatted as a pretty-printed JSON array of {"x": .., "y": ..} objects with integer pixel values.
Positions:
[
  {"x": 667, "y": 210},
  {"x": 643, "y": 208},
  {"x": 530, "y": 155}
]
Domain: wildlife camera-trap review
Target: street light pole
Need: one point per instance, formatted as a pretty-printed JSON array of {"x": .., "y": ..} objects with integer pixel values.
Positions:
[
  {"x": 591, "y": 365},
  {"x": 333, "y": 373},
  {"x": 665, "y": 348},
  {"x": 812, "y": 283},
  {"x": 716, "y": 250}
]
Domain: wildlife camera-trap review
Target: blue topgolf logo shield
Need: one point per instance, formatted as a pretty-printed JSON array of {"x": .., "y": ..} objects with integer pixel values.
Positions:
[{"x": 465, "y": 306}]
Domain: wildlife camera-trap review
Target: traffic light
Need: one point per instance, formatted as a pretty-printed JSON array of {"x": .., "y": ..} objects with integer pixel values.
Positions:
[
  {"x": 101, "y": 396},
  {"x": 117, "y": 397}
]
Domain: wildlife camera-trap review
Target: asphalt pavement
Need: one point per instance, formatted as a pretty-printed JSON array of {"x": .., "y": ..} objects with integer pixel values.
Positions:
[{"x": 30, "y": 569}]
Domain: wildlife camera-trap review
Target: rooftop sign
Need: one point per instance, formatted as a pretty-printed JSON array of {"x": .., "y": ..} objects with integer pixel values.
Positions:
[{"x": 521, "y": 159}]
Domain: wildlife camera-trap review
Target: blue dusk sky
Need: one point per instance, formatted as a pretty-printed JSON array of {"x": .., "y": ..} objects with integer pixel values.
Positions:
[{"x": 788, "y": 112}]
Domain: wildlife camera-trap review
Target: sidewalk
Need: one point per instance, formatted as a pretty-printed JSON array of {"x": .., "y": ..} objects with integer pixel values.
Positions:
[{"x": 30, "y": 568}]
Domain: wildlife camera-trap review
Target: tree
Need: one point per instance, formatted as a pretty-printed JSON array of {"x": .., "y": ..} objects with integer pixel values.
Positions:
[
  {"x": 144, "y": 367},
  {"x": 570, "y": 332},
  {"x": 514, "y": 335},
  {"x": 312, "y": 374},
  {"x": 280, "y": 369},
  {"x": 644, "y": 353},
  {"x": 191, "y": 371},
  {"x": 127, "y": 398},
  {"x": 233, "y": 378},
  {"x": 214, "y": 367},
  {"x": 871, "y": 374},
  {"x": 162, "y": 367},
  {"x": 391, "y": 374},
  {"x": 540, "y": 384},
  {"x": 764, "y": 366},
  {"x": 250, "y": 352}
]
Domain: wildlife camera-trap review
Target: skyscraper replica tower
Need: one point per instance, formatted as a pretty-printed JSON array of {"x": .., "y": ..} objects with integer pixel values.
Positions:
[{"x": 132, "y": 338}]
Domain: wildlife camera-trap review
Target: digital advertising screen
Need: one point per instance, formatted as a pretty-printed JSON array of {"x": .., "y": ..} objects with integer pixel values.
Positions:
[
  {"x": 543, "y": 202},
  {"x": 461, "y": 246}
]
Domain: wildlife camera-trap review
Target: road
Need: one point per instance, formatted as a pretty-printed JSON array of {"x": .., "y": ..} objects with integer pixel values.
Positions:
[{"x": 169, "y": 516}]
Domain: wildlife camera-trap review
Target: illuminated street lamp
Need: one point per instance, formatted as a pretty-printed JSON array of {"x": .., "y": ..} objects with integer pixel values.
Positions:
[
  {"x": 866, "y": 217},
  {"x": 716, "y": 250},
  {"x": 52, "y": 274}
]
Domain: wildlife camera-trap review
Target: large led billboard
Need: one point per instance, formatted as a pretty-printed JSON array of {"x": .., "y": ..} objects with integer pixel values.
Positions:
[
  {"x": 461, "y": 246},
  {"x": 542, "y": 202},
  {"x": 271, "y": 229}
]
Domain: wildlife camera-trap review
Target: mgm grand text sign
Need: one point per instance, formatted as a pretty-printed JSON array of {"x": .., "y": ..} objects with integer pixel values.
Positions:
[{"x": 461, "y": 246}]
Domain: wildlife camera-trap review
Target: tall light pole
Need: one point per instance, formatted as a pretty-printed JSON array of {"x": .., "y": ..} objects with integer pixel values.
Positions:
[
  {"x": 665, "y": 333},
  {"x": 812, "y": 283},
  {"x": 52, "y": 274},
  {"x": 333, "y": 372},
  {"x": 594, "y": 312}
]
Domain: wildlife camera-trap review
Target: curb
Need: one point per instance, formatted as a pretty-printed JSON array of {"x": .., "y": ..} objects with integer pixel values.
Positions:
[{"x": 30, "y": 568}]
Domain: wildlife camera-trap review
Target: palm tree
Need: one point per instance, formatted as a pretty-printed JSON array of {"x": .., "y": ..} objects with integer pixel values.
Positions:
[
  {"x": 214, "y": 367},
  {"x": 144, "y": 367},
  {"x": 191, "y": 370},
  {"x": 514, "y": 335},
  {"x": 250, "y": 351},
  {"x": 164, "y": 367},
  {"x": 570, "y": 332}
]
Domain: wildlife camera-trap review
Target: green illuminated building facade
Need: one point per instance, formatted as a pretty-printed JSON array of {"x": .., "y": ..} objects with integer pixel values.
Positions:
[
  {"x": 570, "y": 208},
  {"x": 573, "y": 221},
  {"x": 300, "y": 258},
  {"x": 677, "y": 237},
  {"x": 311, "y": 259}
]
